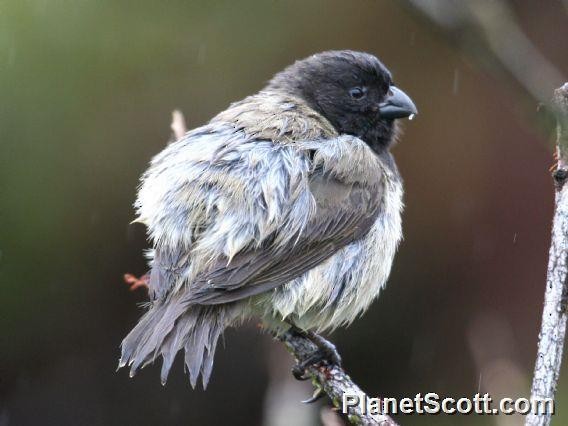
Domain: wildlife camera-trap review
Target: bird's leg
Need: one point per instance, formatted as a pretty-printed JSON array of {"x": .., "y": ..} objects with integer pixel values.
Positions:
[
  {"x": 326, "y": 353},
  {"x": 133, "y": 282},
  {"x": 326, "y": 347}
]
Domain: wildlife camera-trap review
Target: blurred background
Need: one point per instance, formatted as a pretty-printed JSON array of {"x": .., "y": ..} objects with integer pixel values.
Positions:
[{"x": 86, "y": 92}]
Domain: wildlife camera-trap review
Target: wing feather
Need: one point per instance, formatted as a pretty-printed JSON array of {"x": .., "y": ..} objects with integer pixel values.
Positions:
[
  {"x": 337, "y": 222},
  {"x": 232, "y": 217}
]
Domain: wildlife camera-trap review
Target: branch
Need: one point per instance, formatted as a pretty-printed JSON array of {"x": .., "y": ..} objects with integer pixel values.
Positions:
[
  {"x": 491, "y": 34},
  {"x": 332, "y": 380},
  {"x": 554, "y": 316},
  {"x": 178, "y": 126}
]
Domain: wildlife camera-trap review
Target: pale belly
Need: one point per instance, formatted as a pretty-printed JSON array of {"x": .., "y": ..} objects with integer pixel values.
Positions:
[{"x": 342, "y": 288}]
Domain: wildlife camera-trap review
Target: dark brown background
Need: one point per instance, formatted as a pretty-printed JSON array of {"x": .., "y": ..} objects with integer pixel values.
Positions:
[{"x": 86, "y": 91}]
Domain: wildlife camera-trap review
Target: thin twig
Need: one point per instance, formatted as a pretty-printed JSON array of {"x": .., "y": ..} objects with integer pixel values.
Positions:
[
  {"x": 554, "y": 316},
  {"x": 178, "y": 126},
  {"x": 332, "y": 380},
  {"x": 492, "y": 35}
]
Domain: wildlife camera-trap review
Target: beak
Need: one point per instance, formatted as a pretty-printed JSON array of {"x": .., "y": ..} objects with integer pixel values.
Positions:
[{"x": 397, "y": 105}]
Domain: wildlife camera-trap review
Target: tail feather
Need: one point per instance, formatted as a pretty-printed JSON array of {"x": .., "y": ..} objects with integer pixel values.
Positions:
[
  {"x": 168, "y": 328},
  {"x": 162, "y": 320},
  {"x": 131, "y": 343},
  {"x": 194, "y": 358},
  {"x": 207, "y": 366},
  {"x": 173, "y": 344}
]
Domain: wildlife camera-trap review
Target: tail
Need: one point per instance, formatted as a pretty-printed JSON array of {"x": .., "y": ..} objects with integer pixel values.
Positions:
[{"x": 167, "y": 328}]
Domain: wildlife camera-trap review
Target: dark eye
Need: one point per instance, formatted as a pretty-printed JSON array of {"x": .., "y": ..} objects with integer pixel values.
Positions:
[{"x": 358, "y": 92}]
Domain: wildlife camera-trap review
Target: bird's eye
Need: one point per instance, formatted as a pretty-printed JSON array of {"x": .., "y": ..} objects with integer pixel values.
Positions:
[{"x": 357, "y": 92}]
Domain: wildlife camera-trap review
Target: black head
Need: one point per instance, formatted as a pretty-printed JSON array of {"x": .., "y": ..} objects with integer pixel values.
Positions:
[{"x": 353, "y": 90}]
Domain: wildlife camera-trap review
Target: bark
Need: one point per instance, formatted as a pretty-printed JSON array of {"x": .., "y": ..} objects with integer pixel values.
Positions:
[
  {"x": 332, "y": 380},
  {"x": 554, "y": 316}
]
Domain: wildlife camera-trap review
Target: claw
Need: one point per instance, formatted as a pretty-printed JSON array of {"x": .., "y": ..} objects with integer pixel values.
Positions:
[
  {"x": 325, "y": 355},
  {"x": 318, "y": 394},
  {"x": 299, "y": 372}
]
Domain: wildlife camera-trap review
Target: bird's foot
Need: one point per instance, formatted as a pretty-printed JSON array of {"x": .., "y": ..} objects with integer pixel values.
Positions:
[
  {"x": 133, "y": 282},
  {"x": 327, "y": 348},
  {"x": 318, "y": 394},
  {"x": 325, "y": 354}
]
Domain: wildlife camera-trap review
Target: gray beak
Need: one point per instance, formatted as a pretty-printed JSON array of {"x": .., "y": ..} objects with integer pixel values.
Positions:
[{"x": 397, "y": 105}]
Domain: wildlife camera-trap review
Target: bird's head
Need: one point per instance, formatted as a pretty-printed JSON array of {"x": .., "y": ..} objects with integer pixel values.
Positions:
[{"x": 354, "y": 91}]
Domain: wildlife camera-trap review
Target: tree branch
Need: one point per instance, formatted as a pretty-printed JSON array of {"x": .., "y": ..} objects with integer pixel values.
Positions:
[
  {"x": 491, "y": 34},
  {"x": 554, "y": 316},
  {"x": 332, "y": 380}
]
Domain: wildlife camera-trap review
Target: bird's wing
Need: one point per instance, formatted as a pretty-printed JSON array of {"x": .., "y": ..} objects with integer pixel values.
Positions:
[
  {"x": 343, "y": 214},
  {"x": 232, "y": 217}
]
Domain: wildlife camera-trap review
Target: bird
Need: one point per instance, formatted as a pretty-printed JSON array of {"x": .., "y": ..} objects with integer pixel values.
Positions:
[{"x": 285, "y": 207}]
